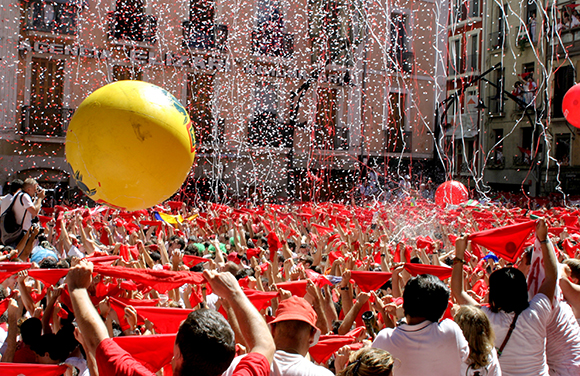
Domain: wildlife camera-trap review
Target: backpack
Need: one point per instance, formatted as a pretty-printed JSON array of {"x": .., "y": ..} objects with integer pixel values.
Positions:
[{"x": 10, "y": 229}]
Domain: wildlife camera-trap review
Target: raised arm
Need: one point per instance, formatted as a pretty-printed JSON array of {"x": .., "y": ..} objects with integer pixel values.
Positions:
[
  {"x": 90, "y": 323},
  {"x": 252, "y": 325},
  {"x": 550, "y": 263},
  {"x": 457, "y": 288}
]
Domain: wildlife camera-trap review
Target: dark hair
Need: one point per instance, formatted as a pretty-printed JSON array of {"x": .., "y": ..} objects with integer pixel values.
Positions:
[
  {"x": 155, "y": 256},
  {"x": 291, "y": 245},
  {"x": 425, "y": 296},
  {"x": 15, "y": 185},
  {"x": 31, "y": 330},
  {"x": 48, "y": 263},
  {"x": 179, "y": 240},
  {"x": 574, "y": 265},
  {"x": 206, "y": 342},
  {"x": 191, "y": 249},
  {"x": 508, "y": 291}
]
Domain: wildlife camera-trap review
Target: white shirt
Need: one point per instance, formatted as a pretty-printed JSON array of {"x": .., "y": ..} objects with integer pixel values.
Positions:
[
  {"x": 524, "y": 353},
  {"x": 286, "y": 364},
  {"x": 563, "y": 342},
  {"x": 21, "y": 210},
  {"x": 492, "y": 369},
  {"x": 428, "y": 348}
]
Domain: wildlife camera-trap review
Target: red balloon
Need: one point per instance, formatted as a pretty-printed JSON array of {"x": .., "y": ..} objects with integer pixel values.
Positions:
[
  {"x": 451, "y": 192},
  {"x": 571, "y": 105}
]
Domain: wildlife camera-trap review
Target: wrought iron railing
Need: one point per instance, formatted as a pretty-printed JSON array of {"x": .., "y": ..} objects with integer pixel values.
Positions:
[{"x": 45, "y": 121}]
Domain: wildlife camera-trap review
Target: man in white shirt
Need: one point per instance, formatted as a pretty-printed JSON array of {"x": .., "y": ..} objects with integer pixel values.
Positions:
[
  {"x": 28, "y": 203},
  {"x": 424, "y": 345}
]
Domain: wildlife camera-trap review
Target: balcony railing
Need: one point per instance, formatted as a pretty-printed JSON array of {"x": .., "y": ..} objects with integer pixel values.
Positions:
[
  {"x": 45, "y": 121},
  {"x": 402, "y": 61},
  {"x": 497, "y": 40},
  {"x": 495, "y": 105},
  {"x": 137, "y": 27},
  {"x": 275, "y": 44},
  {"x": 54, "y": 18},
  {"x": 206, "y": 38},
  {"x": 522, "y": 160}
]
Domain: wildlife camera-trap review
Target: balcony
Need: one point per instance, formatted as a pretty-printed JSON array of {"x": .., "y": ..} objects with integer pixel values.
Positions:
[
  {"x": 497, "y": 40},
  {"x": 570, "y": 41},
  {"x": 402, "y": 61},
  {"x": 495, "y": 106},
  {"x": 208, "y": 38},
  {"x": 137, "y": 27},
  {"x": 274, "y": 44},
  {"x": 522, "y": 160},
  {"x": 52, "y": 18},
  {"x": 45, "y": 121}
]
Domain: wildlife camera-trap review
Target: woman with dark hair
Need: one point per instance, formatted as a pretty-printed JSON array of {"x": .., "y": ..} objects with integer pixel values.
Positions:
[{"x": 519, "y": 324}]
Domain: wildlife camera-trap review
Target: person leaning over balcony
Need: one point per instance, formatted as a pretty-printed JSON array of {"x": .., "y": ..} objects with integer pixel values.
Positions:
[{"x": 519, "y": 324}]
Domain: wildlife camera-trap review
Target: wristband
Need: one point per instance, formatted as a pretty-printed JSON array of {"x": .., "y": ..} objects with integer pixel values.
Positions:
[
  {"x": 543, "y": 241},
  {"x": 457, "y": 260},
  {"x": 345, "y": 288}
]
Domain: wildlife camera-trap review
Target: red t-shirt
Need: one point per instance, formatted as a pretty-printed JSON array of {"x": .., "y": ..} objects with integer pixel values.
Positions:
[{"x": 113, "y": 360}]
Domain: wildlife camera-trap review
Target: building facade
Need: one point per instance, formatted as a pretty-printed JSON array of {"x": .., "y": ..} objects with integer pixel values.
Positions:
[{"x": 288, "y": 98}]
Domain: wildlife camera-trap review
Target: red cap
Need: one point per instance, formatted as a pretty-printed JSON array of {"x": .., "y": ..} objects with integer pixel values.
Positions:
[{"x": 297, "y": 309}]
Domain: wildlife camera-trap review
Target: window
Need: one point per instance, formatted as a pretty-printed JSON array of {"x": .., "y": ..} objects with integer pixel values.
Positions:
[
  {"x": 472, "y": 53},
  {"x": 474, "y": 8},
  {"x": 200, "y": 30},
  {"x": 496, "y": 159},
  {"x": 269, "y": 38},
  {"x": 265, "y": 127},
  {"x": 129, "y": 21},
  {"x": 52, "y": 17},
  {"x": 459, "y": 10},
  {"x": 496, "y": 99},
  {"x": 127, "y": 72},
  {"x": 531, "y": 20},
  {"x": 497, "y": 38},
  {"x": 396, "y": 138},
  {"x": 199, "y": 106},
  {"x": 398, "y": 51},
  {"x": 333, "y": 28},
  {"x": 564, "y": 80},
  {"x": 563, "y": 149},
  {"x": 45, "y": 115},
  {"x": 326, "y": 118},
  {"x": 454, "y": 57}
]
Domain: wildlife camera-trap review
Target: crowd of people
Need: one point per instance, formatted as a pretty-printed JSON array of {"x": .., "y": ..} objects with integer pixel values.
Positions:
[{"x": 399, "y": 288}]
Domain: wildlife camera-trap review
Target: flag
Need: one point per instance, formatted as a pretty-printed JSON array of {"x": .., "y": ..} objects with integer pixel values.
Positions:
[
  {"x": 506, "y": 242},
  {"x": 49, "y": 277},
  {"x": 192, "y": 261},
  {"x": 297, "y": 288},
  {"x": 261, "y": 299},
  {"x": 273, "y": 245},
  {"x": 328, "y": 345}
]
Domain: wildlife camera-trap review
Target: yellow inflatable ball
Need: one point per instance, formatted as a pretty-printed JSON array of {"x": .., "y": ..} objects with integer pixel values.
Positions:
[{"x": 130, "y": 145}]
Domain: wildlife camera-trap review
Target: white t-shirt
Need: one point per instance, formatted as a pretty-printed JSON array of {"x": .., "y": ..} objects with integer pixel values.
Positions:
[
  {"x": 492, "y": 369},
  {"x": 524, "y": 353},
  {"x": 21, "y": 209},
  {"x": 563, "y": 342},
  {"x": 428, "y": 348},
  {"x": 5, "y": 202},
  {"x": 286, "y": 364}
]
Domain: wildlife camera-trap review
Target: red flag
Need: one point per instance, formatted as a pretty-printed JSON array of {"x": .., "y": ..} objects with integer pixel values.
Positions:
[
  {"x": 369, "y": 281},
  {"x": 441, "y": 272},
  {"x": 160, "y": 280},
  {"x": 317, "y": 278},
  {"x": 273, "y": 245},
  {"x": 23, "y": 369},
  {"x": 49, "y": 277},
  {"x": 505, "y": 242},
  {"x": 102, "y": 259},
  {"x": 126, "y": 250},
  {"x": 328, "y": 345},
  {"x": 9, "y": 268},
  {"x": 253, "y": 252},
  {"x": 297, "y": 288},
  {"x": 4, "y": 303},
  {"x": 192, "y": 261},
  {"x": 260, "y": 299},
  {"x": 166, "y": 320},
  {"x": 322, "y": 230},
  {"x": 119, "y": 304}
]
